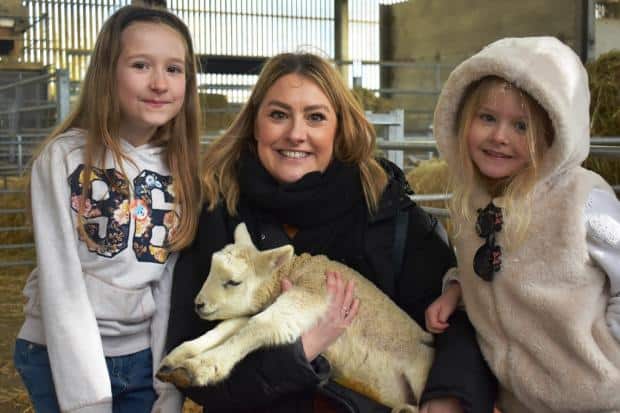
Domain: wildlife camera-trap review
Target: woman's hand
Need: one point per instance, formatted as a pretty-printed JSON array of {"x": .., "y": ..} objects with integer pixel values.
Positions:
[
  {"x": 442, "y": 405},
  {"x": 342, "y": 310},
  {"x": 441, "y": 309}
]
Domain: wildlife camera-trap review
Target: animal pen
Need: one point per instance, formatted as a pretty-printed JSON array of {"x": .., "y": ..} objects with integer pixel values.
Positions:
[{"x": 40, "y": 80}]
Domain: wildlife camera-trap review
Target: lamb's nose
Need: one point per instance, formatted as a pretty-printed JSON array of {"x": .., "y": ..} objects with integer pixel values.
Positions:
[{"x": 198, "y": 307}]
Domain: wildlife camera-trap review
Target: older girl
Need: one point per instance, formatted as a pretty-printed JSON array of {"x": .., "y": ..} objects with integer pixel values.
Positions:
[{"x": 113, "y": 193}]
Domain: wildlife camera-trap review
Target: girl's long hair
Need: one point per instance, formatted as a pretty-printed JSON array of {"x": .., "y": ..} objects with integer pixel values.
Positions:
[
  {"x": 97, "y": 112},
  {"x": 515, "y": 190},
  {"x": 355, "y": 140}
]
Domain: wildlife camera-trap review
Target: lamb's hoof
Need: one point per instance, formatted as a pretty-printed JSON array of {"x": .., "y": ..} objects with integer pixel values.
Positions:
[
  {"x": 164, "y": 373},
  {"x": 405, "y": 408},
  {"x": 179, "y": 376}
]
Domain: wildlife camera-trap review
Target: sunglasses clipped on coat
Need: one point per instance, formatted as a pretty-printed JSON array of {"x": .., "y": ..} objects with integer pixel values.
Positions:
[{"x": 487, "y": 260}]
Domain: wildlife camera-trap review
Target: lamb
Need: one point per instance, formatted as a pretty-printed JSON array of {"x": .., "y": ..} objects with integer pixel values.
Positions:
[{"x": 383, "y": 354}]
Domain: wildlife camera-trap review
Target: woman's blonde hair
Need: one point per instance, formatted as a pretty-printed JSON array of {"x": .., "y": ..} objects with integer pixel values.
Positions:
[
  {"x": 98, "y": 113},
  {"x": 515, "y": 190},
  {"x": 354, "y": 142}
]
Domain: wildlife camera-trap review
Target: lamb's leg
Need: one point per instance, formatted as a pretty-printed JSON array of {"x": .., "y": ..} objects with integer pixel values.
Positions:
[
  {"x": 283, "y": 322},
  {"x": 405, "y": 408},
  {"x": 417, "y": 371},
  {"x": 171, "y": 370}
]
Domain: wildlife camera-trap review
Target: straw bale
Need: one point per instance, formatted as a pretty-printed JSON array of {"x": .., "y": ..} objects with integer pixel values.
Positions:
[
  {"x": 431, "y": 177},
  {"x": 604, "y": 77},
  {"x": 369, "y": 101}
]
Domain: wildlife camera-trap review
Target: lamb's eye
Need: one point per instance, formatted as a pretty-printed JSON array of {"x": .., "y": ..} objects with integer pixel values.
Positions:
[{"x": 231, "y": 283}]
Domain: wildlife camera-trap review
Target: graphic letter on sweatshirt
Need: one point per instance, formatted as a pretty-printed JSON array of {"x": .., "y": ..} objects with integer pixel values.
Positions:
[{"x": 108, "y": 207}]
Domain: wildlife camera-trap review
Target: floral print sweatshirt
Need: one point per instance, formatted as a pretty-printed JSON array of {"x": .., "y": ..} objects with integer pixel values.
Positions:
[{"x": 105, "y": 293}]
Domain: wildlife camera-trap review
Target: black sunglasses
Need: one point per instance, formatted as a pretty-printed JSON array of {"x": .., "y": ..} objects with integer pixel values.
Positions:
[{"x": 487, "y": 260}]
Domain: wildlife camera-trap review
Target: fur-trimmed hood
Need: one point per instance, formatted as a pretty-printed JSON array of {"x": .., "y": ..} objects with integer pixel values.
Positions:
[{"x": 547, "y": 70}]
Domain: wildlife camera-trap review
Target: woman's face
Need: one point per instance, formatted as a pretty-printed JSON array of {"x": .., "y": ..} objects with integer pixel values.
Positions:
[{"x": 295, "y": 129}]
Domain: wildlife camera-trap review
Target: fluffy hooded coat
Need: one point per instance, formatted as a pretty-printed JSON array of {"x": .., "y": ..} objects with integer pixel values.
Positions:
[{"x": 541, "y": 321}]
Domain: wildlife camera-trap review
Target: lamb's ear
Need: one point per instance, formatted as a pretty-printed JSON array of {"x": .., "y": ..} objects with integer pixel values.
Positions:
[
  {"x": 271, "y": 260},
  {"x": 242, "y": 236}
]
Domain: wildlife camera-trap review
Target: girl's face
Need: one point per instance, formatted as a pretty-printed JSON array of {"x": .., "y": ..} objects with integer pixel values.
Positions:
[
  {"x": 497, "y": 139},
  {"x": 150, "y": 78},
  {"x": 295, "y": 129}
]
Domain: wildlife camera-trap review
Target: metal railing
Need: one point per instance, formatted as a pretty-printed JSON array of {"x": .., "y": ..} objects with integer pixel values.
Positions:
[
  {"x": 392, "y": 141},
  {"x": 29, "y": 116}
]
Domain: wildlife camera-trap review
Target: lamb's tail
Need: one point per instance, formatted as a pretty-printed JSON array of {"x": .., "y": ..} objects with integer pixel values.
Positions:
[{"x": 405, "y": 408}]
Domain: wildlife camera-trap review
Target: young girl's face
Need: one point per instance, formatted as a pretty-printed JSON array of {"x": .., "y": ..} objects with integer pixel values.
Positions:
[
  {"x": 497, "y": 140},
  {"x": 150, "y": 77}
]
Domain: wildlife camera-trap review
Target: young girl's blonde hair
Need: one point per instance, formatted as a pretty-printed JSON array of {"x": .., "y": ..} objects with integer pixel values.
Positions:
[
  {"x": 515, "y": 190},
  {"x": 354, "y": 142},
  {"x": 98, "y": 113}
]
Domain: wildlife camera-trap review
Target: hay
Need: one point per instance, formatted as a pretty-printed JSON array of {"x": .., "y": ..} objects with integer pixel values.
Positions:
[
  {"x": 16, "y": 399},
  {"x": 13, "y": 397},
  {"x": 604, "y": 75},
  {"x": 431, "y": 177},
  {"x": 13, "y": 201},
  {"x": 215, "y": 121},
  {"x": 369, "y": 101}
]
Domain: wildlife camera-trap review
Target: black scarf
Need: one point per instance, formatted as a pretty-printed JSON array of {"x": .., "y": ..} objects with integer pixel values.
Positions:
[{"x": 316, "y": 199}]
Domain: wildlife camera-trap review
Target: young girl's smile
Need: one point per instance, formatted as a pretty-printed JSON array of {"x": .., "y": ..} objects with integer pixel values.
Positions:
[
  {"x": 150, "y": 79},
  {"x": 497, "y": 140}
]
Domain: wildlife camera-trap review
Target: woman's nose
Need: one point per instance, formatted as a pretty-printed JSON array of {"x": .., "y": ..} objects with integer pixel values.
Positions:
[{"x": 298, "y": 131}]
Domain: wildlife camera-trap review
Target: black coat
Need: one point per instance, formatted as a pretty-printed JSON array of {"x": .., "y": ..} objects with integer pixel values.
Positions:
[{"x": 280, "y": 379}]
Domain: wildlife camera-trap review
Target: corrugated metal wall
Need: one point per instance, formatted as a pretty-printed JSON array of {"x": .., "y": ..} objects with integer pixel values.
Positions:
[{"x": 62, "y": 33}]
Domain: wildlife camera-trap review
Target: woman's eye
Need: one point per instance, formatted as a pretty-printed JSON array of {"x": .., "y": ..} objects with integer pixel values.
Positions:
[
  {"x": 317, "y": 117},
  {"x": 277, "y": 114},
  {"x": 139, "y": 65},
  {"x": 486, "y": 117},
  {"x": 231, "y": 283},
  {"x": 521, "y": 126}
]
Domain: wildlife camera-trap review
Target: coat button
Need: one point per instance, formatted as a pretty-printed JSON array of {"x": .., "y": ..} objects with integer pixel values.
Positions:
[{"x": 262, "y": 237}]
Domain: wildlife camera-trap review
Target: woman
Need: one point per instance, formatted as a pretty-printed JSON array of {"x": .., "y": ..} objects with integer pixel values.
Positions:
[{"x": 297, "y": 166}]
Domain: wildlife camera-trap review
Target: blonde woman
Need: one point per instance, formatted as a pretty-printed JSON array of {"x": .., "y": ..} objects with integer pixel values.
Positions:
[{"x": 298, "y": 167}]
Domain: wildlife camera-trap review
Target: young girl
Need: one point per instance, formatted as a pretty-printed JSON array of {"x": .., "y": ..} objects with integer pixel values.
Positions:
[
  {"x": 538, "y": 236},
  {"x": 113, "y": 191}
]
